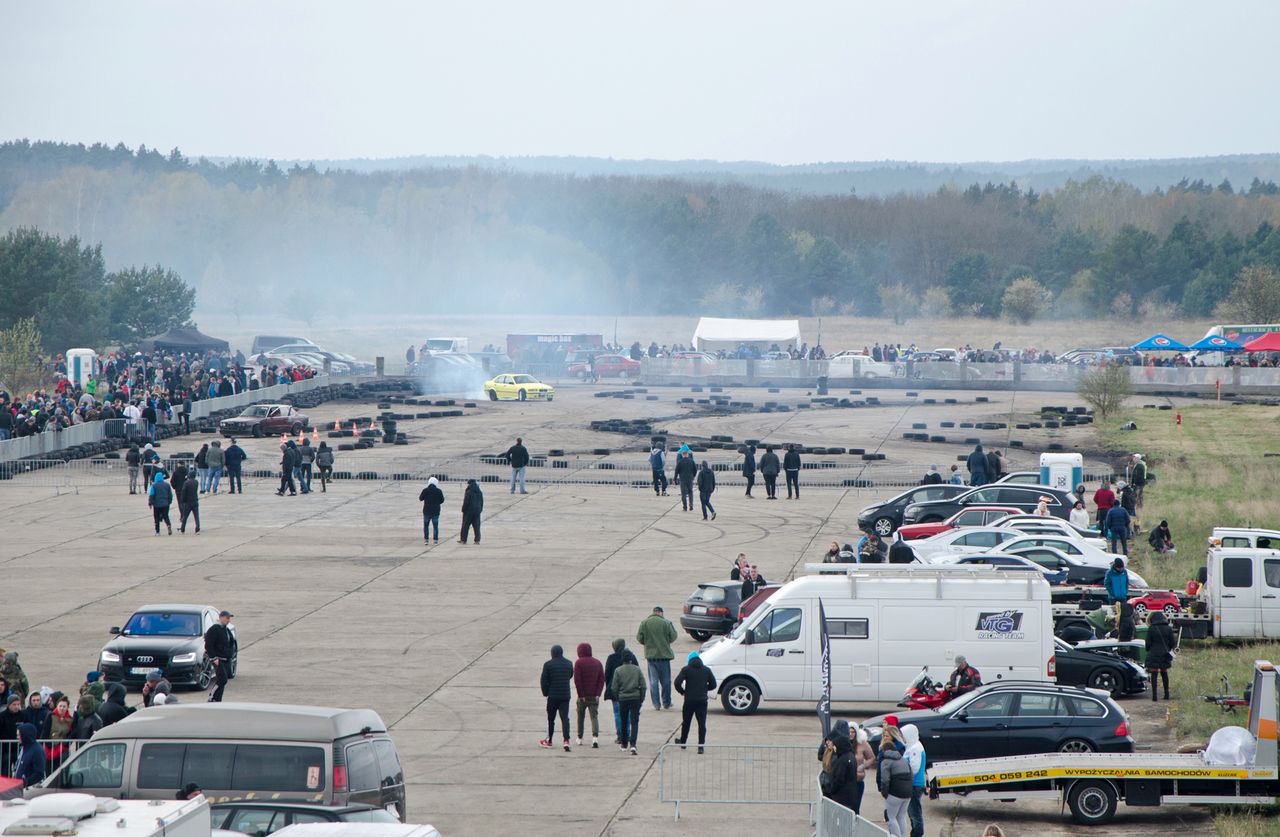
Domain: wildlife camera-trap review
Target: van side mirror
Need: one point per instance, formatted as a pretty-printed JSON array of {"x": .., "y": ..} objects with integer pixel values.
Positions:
[
  {"x": 115, "y": 631},
  {"x": 1202, "y": 575},
  {"x": 748, "y": 638}
]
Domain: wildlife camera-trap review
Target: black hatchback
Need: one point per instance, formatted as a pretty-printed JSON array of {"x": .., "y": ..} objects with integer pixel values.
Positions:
[
  {"x": 886, "y": 517},
  {"x": 712, "y": 609}
]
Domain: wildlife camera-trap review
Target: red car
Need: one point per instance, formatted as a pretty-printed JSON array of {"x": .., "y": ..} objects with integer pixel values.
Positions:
[
  {"x": 758, "y": 598},
  {"x": 972, "y": 516},
  {"x": 607, "y": 366},
  {"x": 1164, "y": 600}
]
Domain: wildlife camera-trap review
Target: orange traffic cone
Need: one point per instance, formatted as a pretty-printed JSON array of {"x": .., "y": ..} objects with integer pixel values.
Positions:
[
  {"x": 337, "y": 425},
  {"x": 315, "y": 435}
]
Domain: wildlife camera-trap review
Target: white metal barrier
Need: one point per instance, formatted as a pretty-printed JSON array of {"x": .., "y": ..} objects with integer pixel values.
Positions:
[
  {"x": 835, "y": 820},
  {"x": 737, "y": 774}
]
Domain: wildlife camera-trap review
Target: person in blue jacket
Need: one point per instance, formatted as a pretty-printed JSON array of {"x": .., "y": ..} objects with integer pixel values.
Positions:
[
  {"x": 1116, "y": 582},
  {"x": 30, "y": 766},
  {"x": 1117, "y": 524}
]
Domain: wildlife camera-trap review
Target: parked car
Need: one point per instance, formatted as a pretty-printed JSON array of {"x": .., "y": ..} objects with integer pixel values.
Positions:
[
  {"x": 1162, "y": 600},
  {"x": 1024, "y": 497},
  {"x": 1078, "y": 570},
  {"x": 518, "y": 387},
  {"x": 261, "y": 420},
  {"x": 258, "y": 819},
  {"x": 712, "y": 609},
  {"x": 758, "y": 598},
  {"x": 884, "y": 518},
  {"x": 1014, "y": 719},
  {"x": 973, "y": 516},
  {"x": 1015, "y": 562},
  {"x": 1097, "y": 668},
  {"x": 1083, "y": 550},
  {"x": 169, "y": 637},
  {"x": 949, "y": 547},
  {"x": 607, "y": 366},
  {"x": 1019, "y": 478},
  {"x": 1034, "y": 524}
]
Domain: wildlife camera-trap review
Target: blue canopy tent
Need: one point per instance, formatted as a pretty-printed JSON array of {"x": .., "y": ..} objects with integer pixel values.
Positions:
[
  {"x": 1159, "y": 343},
  {"x": 1213, "y": 343}
]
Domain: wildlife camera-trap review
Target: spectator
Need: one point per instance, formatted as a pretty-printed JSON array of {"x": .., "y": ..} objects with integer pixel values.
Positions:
[
  {"x": 791, "y": 464},
  {"x": 588, "y": 680},
  {"x": 202, "y": 467},
  {"x": 1079, "y": 516},
  {"x": 915, "y": 757},
  {"x": 132, "y": 460},
  {"x": 160, "y": 498},
  {"x": 741, "y": 568},
  {"x": 472, "y": 506},
  {"x": 1117, "y": 529},
  {"x": 233, "y": 458},
  {"x": 58, "y": 726},
  {"x": 518, "y": 459},
  {"x": 658, "y": 466},
  {"x": 288, "y": 462},
  {"x": 956, "y": 477},
  {"x": 749, "y": 467},
  {"x": 628, "y": 689},
  {"x": 432, "y": 499},
  {"x": 894, "y": 780},
  {"x": 1161, "y": 539},
  {"x": 900, "y": 552},
  {"x": 1161, "y": 643},
  {"x": 932, "y": 477},
  {"x": 214, "y": 460},
  {"x": 306, "y": 458},
  {"x": 30, "y": 767},
  {"x": 155, "y": 685},
  {"x": 977, "y": 464},
  {"x": 14, "y": 676},
  {"x": 324, "y": 461},
  {"x": 752, "y": 583},
  {"x": 557, "y": 673},
  {"x": 620, "y": 653},
  {"x": 36, "y": 712},
  {"x": 685, "y": 473},
  {"x": 1104, "y": 498},
  {"x": 769, "y": 467},
  {"x": 695, "y": 682},
  {"x": 832, "y": 555},
  {"x": 10, "y": 719},
  {"x": 656, "y": 634},
  {"x": 706, "y": 487}
]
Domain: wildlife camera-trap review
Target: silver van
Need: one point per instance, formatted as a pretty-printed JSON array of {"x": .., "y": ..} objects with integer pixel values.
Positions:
[{"x": 240, "y": 751}]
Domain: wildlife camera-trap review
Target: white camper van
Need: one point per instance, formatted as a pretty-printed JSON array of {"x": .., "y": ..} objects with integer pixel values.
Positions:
[{"x": 884, "y": 622}]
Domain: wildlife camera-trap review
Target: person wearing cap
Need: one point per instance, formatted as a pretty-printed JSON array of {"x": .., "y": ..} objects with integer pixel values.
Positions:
[
  {"x": 217, "y": 646},
  {"x": 656, "y": 633},
  {"x": 695, "y": 681},
  {"x": 156, "y": 686},
  {"x": 190, "y": 791}
]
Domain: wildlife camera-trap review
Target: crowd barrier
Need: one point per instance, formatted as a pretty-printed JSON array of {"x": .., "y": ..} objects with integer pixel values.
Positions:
[
  {"x": 835, "y": 820},
  {"x": 737, "y": 774}
]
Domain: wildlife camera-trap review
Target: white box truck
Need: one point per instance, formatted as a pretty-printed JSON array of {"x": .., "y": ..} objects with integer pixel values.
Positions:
[{"x": 884, "y": 622}]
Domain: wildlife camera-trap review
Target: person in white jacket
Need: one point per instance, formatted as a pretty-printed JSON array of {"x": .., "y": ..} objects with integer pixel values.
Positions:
[
  {"x": 1079, "y": 516},
  {"x": 915, "y": 757}
]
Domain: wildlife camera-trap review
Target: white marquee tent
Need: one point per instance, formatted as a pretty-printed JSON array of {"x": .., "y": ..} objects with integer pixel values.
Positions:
[{"x": 714, "y": 333}]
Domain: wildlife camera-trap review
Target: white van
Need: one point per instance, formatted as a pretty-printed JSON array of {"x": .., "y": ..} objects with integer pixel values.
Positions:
[
  {"x": 1242, "y": 584},
  {"x": 884, "y": 622}
]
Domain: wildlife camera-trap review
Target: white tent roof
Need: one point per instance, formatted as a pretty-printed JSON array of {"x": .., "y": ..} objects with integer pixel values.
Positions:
[{"x": 716, "y": 332}]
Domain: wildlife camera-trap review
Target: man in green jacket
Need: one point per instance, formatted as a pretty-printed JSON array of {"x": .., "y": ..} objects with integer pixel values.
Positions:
[
  {"x": 656, "y": 634},
  {"x": 628, "y": 689}
]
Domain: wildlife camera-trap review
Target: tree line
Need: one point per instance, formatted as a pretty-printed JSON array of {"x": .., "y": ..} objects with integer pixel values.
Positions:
[{"x": 254, "y": 236}]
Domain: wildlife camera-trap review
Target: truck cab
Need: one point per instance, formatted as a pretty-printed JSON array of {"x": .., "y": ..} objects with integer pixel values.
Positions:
[{"x": 1242, "y": 587}]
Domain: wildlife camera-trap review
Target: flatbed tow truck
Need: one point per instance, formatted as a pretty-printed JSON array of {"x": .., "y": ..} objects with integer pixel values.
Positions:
[{"x": 1093, "y": 784}]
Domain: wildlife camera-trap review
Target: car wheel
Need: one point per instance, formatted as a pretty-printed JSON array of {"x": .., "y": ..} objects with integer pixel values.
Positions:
[
  {"x": 233, "y": 663},
  {"x": 257, "y": 431},
  {"x": 295, "y": 429},
  {"x": 1169, "y": 610},
  {"x": 884, "y": 526},
  {"x": 493, "y": 395},
  {"x": 205, "y": 678},
  {"x": 1092, "y": 802},
  {"x": 622, "y": 376},
  {"x": 1140, "y": 610},
  {"x": 523, "y": 396},
  {"x": 1106, "y": 679},
  {"x": 1075, "y": 745},
  {"x": 740, "y": 696},
  {"x": 700, "y": 636}
]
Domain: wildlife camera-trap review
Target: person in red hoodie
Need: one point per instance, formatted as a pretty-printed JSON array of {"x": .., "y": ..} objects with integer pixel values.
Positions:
[
  {"x": 588, "y": 679},
  {"x": 1104, "y": 498}
]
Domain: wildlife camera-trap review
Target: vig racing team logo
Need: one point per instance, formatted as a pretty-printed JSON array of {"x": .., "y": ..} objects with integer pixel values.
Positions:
[{"x": 1001, "y": 624}]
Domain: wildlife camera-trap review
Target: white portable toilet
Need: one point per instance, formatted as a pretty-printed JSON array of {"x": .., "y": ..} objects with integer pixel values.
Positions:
[
  {"x": 1063, "y": 471},
  {"x": 82, "y": 364}
]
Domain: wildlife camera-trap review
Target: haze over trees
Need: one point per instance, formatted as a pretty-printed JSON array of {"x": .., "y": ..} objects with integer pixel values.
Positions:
[{"x": 255, "y": 236}]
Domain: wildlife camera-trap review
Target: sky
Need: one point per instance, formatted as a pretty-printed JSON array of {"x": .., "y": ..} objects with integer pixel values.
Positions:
[{"x": 783, "y": 82}]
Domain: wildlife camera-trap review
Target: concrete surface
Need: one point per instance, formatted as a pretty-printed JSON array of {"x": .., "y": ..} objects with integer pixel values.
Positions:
[{"x": 338, "y": 602}]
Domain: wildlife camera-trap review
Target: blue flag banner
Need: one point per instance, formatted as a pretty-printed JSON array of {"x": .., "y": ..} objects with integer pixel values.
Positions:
[{"x": 824, "y": 702}]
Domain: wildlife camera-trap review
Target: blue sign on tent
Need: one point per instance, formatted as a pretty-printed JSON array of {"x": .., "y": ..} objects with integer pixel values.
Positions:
[
  {"x": 1159, "y": 343},
  {"x": 1214, "y": 343}
]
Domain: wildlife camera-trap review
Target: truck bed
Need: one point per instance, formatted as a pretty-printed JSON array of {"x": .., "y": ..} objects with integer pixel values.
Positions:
[{"x": 958, "y": 775}]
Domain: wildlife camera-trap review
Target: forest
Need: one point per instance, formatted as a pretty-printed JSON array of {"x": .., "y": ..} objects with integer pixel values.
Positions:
[{"x": 253, "y": 236}]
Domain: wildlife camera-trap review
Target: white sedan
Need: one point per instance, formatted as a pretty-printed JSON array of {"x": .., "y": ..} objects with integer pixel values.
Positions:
[
  {"x": 948, "y": 547},
  {"x": 1036, "y": 525},
  {"x": 1087, "y": 553}
]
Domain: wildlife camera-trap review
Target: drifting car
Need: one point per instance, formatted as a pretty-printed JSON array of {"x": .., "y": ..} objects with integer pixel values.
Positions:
[
  {"x": 1161, "y": 600},
  {"x": 517, "y": 386},
  {"x": 261, "y": 420},
  {"x": 168, "y": 637}
]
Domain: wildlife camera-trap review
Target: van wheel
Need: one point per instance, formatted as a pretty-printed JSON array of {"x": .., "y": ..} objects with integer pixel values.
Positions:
[
  {"x": 1107, "y": 680},
  {"x": 884, "y": 526},
  {"x": 700, "y": 636},
  {"x": 1092, "y": 802},
  {"x": 740, "y": 696}
]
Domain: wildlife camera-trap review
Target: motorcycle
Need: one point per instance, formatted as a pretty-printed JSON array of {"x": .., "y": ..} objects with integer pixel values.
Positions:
[{"x": 925, "y": 693}]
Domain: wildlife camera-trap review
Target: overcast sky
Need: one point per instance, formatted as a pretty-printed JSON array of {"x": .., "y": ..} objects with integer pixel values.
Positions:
[{"x": 786, "y": 82}]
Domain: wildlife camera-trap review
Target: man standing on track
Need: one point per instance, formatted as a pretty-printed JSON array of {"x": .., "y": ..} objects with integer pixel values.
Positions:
[
  {"x": 656, "y": 634},
  {"x": 518, "y": 458},
  {"x": 769, "y": 467},
  {"x": 685, "y": 473},
  {"x": 749, "y": 467},
  {"x": 217, "y": 645},
  {"x": 791, "y": 464},
  {"x": 472, "y": 506}
]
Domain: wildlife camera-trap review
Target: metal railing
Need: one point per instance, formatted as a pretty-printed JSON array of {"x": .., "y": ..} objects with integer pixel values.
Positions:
[
  {"x": 57, "y": 750},
  {"x": 737, "y": 774},
  {"x": 835, "y": 820}
]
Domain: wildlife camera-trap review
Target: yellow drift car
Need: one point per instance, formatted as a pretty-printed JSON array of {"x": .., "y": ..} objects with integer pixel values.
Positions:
[{"x": 518, "y": 387}]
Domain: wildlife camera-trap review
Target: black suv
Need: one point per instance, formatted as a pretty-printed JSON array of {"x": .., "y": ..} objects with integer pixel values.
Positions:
[
  {"x": 1025, "y": 497},
  {"x": 886, "y": 517},
  {"x": 169, "y": 637}
]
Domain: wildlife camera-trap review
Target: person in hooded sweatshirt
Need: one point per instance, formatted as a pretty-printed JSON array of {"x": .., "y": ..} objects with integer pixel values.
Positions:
[
  {"x": 288, "y": 462},
  {"x": 706, "y": 487},
  {"x": 915, "y": 757},
  {"x": 557, "y": 674},
  {"x": 113, "y": 708},
  {"x": 685, "y": 472},
  {"x": 86, "y": 721},
  {"x": 977, "y": 463},
  {"x": 588, "y": 679},
  {"x": 932, "y": 477},
  {"x": 10, "y": 720},
  {"x": 696, "y": 682},
  {"x": 472, "y": 506},
  {"x": 432, "y": 499},
  {"x": 791, "y": 465},
  {"x": 31, "y": 760},
  {"x": 36, "y": 711},
  {"x": 611, "y": 663},
  {"x": 769, "y": 468},
  {"x": 1161, "y": 643},
  {"x": 160, "y": 498},
  {"x": 628, "y": 688},
  {"x": 844, "y": 768},
  {"x": 749, "y": 467},
  {"x": 893, "y": 778},
  {"x": 188, "y": 506}
]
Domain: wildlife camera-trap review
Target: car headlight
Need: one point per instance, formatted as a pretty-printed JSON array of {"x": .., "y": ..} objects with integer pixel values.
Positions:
[
  {"x": 110, "y": 657},
  {"x": 184, "y": 658}
]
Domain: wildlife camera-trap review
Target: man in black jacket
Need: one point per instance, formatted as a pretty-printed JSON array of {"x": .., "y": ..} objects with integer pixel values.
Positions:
[
  {"x": 288, "y": 462},
  {"x": 217, "y": 646},
  {"x": 769, "y": 467},
  {"x": 113, "y": 708},
  {"x": 557, "y": 674},
  {"x": 432, "y": 500},
  {"x": 189, "y": 504},
  {"x": 695, "y": 681},
  {"x": 472, "y": 505},
  {"x": 518, "y": 458},
  {"x": 234, "y": 457},
  {"x": 620, "y": 654},
  {"x": 791, "y": 464},
  {"x": 901, "y": 552},
  {"x": 706, "y": 487},
  {"x": 685, "y": 472},
  {"x": 749, "y": 467}
]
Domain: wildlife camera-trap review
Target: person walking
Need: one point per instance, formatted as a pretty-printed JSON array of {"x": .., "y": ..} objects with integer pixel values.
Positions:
[
  {"x": 160, "y": 498},
  {"x": 1161, "y": 643},
  {"x": 557, "y": 674},
  {"x": 685, "y": 473},
  {"x": 656, "y": 634},
  {"x": 1116, "y": 583},
  {"x": 217, "y": 646},
  {"x": 893, "y": 778},
  {"x": 472, "y": 506},
  {"x": 628, "y": 689},
  {"x": 188, "y": 505},
  {"x": 324, "y": 461},
  {"x": 791, "y": 464},
  {"x": 518, "y": 458},
  {"x": 432, "y": 499},
  {"x": 1117, "y": 529},
  {"x": 769, "y": 468},
  {"x": 695, "y": 682},
  {"x": 658, "y": 467},
  {"x": 977, "y": 464},
  {"x": 706, "y": 487},
  {"x": 306, "y": 458},
  {"x": 588, "y": 680},
  {"x": 202, "y": 467},
  {"x": 288, "y": 461},
  {"x": 133, "y": 460},
  {"x": 233, "y": 458},
  {"x": 749, "y": 467},
  {"x": 916, "y": 760},
  {"x": 215, "y": 459},
  {"x": 621, "y": 653}
]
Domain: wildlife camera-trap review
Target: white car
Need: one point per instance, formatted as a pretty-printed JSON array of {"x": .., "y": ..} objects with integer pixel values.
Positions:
[
  {"x": 948, "y": 547},
  {"x": 1086, "y": 552},
  {"x": 1036, "y": 525},
  {"x": 1078, "y": 570}
]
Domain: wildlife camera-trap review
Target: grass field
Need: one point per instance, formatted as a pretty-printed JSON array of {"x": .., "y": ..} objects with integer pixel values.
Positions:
[{"x": 1211, "y": 471}]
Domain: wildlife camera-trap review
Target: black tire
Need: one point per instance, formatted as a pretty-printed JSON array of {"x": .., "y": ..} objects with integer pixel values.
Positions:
[
  {"x": 1092, "y": 802},
  {"x": 700, "y": 636},
  {"x": 1075, "y": 745},
  {"x": 295, "y": 428},
  {"x": 257, "y": 431},
  {"x": 884, "y": 526},
  {"x": 740, "y": 696},
  {"x": 233, "y": 662},
  {"x": 205, "y": 679},
  {"x": 523, "y": 396},
  {"x": 493, "y": 395},
  {"x": 1107, "y": 679}
]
